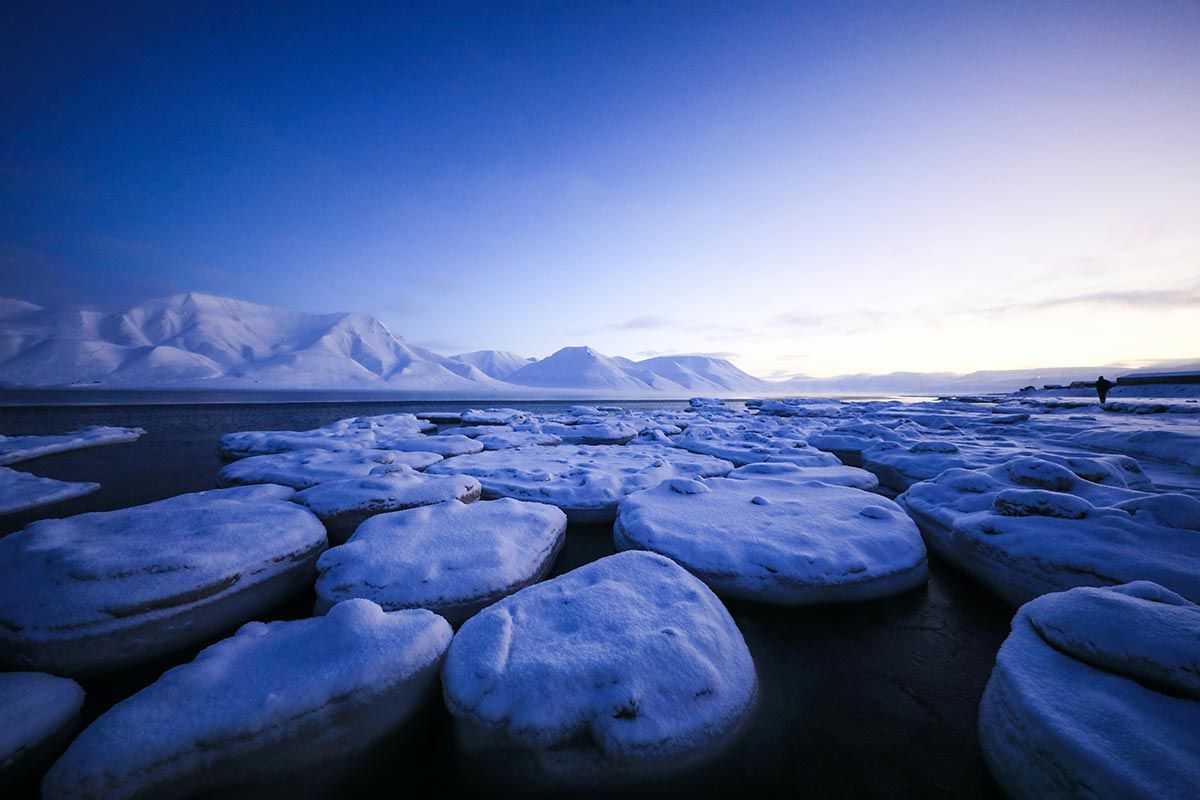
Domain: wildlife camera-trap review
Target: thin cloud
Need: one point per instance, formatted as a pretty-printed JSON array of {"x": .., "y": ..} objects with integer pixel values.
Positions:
[
  {"x": 1185, "y": 297},
  {"x": 643, "y": 324}
]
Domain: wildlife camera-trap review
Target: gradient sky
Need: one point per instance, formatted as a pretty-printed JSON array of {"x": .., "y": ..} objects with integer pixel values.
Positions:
[{"x": 803, "y": 188}]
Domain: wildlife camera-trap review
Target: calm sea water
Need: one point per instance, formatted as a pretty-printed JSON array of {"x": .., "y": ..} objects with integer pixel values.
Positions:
[{"x": 865, "y": 700}]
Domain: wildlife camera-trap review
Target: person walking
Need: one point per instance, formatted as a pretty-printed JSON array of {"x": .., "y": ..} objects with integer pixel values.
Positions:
[{"x": 1102, "y": 387}]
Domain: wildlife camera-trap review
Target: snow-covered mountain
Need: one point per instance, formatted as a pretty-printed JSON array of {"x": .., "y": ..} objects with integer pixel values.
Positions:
[
  {"x": 202, "y": 341},
  {"x": 196, "y": 339},
  {"x": 497, "y": 364}
]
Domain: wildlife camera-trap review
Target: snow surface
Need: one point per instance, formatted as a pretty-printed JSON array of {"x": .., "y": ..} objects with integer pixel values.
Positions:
[
  {"x": 1161, "y": 444},
  {"x": 1032, "y": 526},
  {"x": 37, "y": 713},
  {"x": 771, "y": 539},
  {"x": 584, "y": 481},
  {"x": 104, "y": 590},
  {"x": 343, "y": 505},
  {"x": 275, "y": 699},
  {"x": 14, "y": 449},
  {"x": 354, "y": 433},
  {"x": 1094, "y": 694},
  {"x": 626, "y": 666},
  {"x": 837, "y": 475},
  {"x": 450, "y": 558},
  {"x": 303, "y": 469},
  {"x": 504, "y": 440},
  {"x": 20, "y": 491}
]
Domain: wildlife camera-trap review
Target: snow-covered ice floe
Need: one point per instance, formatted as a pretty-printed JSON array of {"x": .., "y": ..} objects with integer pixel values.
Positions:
[
  {"x": 773, "y": 539},
  {"x": 1034, "y": 525},
  {"x": 1096, "y": 693},
  {"x": 303, "y": 469},
  {"x": 503, "y": 440},
  {"x": 100, "y": 591},
  {"x": 22, "y": 448},
  {"x": 272, "y": 702},
  {"x": 354, "y": 433},
  {"x": 604, "y": 432},
  {"x": 450, "y": 558},
  {"x": 1159, "y": 444},
  {"x": 838, "y": 475},
  {"x": 584, "y": 481},
  {"x": 38, "y": 715},
  {"x": 20, "y": 491},
  {"x": 749, "y": 447},
  {"x": 626, "y": 667},
  {"x": 345, "y": 504}
]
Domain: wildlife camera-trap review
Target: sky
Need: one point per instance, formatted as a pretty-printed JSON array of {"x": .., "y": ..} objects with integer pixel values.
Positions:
[{"x": 802, "y": 188}]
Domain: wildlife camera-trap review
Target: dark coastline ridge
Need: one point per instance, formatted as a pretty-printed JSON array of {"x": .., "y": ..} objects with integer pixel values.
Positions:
[{"x": 869, "y": 699}]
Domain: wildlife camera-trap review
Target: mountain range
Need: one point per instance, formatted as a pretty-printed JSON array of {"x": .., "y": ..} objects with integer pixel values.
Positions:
[{"x": 196, "y": 340}]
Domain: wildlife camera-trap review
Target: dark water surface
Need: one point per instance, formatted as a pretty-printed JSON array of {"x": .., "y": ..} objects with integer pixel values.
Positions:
[{"x": 867, "y": 700}]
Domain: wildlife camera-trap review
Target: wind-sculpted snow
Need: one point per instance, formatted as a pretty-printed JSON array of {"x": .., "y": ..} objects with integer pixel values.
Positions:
[
  {"x": 626, "y": 667},
  {"x": 585, "y": 482},
  {"x": 303, "y": 469},
  {"x": 14, "y": 449},
  {"x": 20, "y": 491},
  {"x": 99, "y": 591},
  {"x": 343, "y": 505},
  {"x": 1032, "y": 526},
  {"x": 1095, "y": 694},
  {"x": 276, "y": 701},
  {"x": 450, "y": 558},
  {"x": 38, "y": 715},
  {"x": 774, "y": 539}
]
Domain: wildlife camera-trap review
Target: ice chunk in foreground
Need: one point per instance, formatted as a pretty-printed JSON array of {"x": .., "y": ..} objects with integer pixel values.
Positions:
[
  {"x": 625, "y": 667},
  {"x": 586, "y": 481},
  {"x": 1095, "y": 694},
  {"x": 38, "y": 715},
  {"x": 20, "y": 491},
  {"x": 303, "y": 469},
  {"x": 275, "y": 700},
  {"x": 775, "y": 540},
  {"x": 99, "y": 591},
  {"x": 450, "y": 558},
  {"x": 344, "y": 505},
  {"x": 22, "y": 448}
]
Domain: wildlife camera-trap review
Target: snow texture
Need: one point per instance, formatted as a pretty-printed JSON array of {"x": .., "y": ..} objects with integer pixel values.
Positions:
[
  {"x": 771, "y": 539},
  {"x": 99, "y": 591},
  {"x": 450, "y": 558},
  {"x": 586, "y": 482},
  {"x": 20, "y": 491},
  {"x": 1033, "y": 526},
  {"x": 377, "y": 432},
  {"x": 14, "y": 449},
  {"x": 274, "y": 700},
  {"x": 625, "y": 667},
  {"x": 1095, "y": 694},
  {"x": 345, "y": 504},
  {"x": 38, "y": 714},
  {"x": 303, "y": 469}
]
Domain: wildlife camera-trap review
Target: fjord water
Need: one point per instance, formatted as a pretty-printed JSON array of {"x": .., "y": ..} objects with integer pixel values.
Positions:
[{"x": 874, "y": 699}]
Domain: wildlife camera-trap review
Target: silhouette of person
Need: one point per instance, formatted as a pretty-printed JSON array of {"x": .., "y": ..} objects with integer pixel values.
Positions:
[{"x": 1102, "y": 387}]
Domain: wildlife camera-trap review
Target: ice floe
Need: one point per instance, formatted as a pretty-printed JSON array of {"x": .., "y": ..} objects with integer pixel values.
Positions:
[
  {"x": 20, "y": 491},
  {"x": 343, "y": 505},
  {"x": 104, "y": 590},
  {"x": 769, "y": 538},
  {"x": 1032, "y": 526},
  {"x": 303, "y": 469},
  {"x": 625, "y": 667},
  {"x": 38, "y": 716},
  {"x": 1095, "y": 694},
  {"x": 275, "y": 701},
  {"x": 450, "y": 558},
  {"x": 14, "y": 449},
  {"x": 584, "y": 481}
]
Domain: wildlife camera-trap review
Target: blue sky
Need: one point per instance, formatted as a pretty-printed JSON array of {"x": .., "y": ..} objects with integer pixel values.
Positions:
[{"x": 806, "y": 188}]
